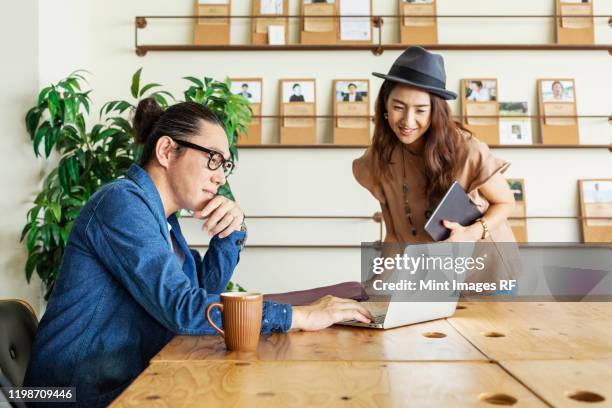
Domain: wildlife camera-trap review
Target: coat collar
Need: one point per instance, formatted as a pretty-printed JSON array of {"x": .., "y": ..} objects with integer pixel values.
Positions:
[{"x": 139, "y": 176}]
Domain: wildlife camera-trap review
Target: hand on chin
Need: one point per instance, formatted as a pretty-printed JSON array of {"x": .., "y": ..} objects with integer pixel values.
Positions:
[{"x": 197, "y": 208}]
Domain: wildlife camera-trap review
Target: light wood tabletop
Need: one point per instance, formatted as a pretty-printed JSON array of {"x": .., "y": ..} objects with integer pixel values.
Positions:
[
  {"x": 322, "y": 384},
  {"x": 566, "y": 383},
  {"x": 537, "y": 331},
  {"x": 489, "y": 353},
  {"x": 430, "y": 341}
]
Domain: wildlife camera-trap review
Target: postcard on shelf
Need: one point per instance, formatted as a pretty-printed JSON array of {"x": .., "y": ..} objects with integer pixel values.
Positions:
[
  {"x": 559, "y": 114},
  {"x": 299, "y": 109},
  {"x": 517, "y": 186},
  {"x": 250, "y": 89},
  {"x": 298, "y": 91},
  {"x": 517, "y": 219},
  {"x": 484, "y": 90},
  {"x": 413, "y": 9},
  {"x": 213, "y": 10},
  {"x": 476, "y": 113},
  {"x": 312, "y": 9},
  {"x": 352, "y": 100},
  {"x": 597, "y": 201},
  {"x": 262, "y": 24},
  {"x": 576, "y": 9},
  {"x": 557, "y": 91},
  {"x": 298, "y": 99},
  {"x": 352, "y": 109},
  {"x": 351, "y": 91},
  {"x": 270, "y": 6},
  {"x": 514, "y": 126},
  {"x": 355, "y": 28},
  {"x": 558, "y": 101},
  {"x": 276, "y": 34}
]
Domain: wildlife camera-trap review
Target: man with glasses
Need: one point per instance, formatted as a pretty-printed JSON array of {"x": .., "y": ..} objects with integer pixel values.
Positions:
[{"x": 128, "y": 282}]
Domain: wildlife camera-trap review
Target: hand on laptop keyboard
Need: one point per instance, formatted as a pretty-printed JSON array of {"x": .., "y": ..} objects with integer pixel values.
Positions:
[{"x": 380, "y": 319}]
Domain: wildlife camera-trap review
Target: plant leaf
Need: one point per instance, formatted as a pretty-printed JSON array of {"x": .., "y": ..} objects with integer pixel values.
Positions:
[
  {"x": 136, "y": 83},
  {"x": 43, "y": 94},
  {"x": 53, "y": 103},
  {"x": 196, "y": 81},
  {"x": 32, "y": 119},
  {"x": 56, "y": 210},
  {"x": 41, "y": 133},
  {"x": 146, "y": 88}
]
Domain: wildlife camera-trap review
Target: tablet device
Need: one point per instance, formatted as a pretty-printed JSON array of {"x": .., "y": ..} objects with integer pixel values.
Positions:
[{"x": 455, "y": 206}]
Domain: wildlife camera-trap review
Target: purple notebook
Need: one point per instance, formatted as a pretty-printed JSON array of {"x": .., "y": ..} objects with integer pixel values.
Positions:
[{"x": 347, "y": 290}]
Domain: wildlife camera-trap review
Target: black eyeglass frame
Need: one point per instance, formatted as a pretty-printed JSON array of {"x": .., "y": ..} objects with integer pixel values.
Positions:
[{"x": 211, "y": 153}]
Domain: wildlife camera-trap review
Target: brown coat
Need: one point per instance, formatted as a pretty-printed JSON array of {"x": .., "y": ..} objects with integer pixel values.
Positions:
[{"x": 479, "y": 167}]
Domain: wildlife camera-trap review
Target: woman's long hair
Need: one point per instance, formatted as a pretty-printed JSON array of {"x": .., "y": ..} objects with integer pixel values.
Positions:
[{"x": 445, "y": 146}]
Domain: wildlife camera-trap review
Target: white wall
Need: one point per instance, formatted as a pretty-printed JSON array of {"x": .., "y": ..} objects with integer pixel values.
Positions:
[
  {"x": 19, "y": 171},
  {"x": 319, "y": 181}
]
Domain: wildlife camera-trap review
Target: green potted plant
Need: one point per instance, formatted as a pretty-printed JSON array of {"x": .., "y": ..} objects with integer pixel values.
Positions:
[{"x": 89, "y": 158}]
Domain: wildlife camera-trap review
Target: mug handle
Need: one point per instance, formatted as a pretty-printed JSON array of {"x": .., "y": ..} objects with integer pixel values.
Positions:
[{"x": 210, "y": 321}]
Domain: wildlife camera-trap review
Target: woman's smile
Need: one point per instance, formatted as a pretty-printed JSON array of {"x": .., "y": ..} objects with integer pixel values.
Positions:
[{"x": 404, "y": 131}]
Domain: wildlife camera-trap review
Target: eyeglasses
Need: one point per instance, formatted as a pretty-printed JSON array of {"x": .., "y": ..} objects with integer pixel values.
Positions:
[{"x": 215, "y": 159}]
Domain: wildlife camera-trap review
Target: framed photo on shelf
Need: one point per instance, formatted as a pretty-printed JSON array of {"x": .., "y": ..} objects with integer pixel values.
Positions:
[
  {"x": 251, "y": 90},
  {"x": 480, "y": 109},
  {"x": 481, "y": 90},
  {"x": 596, "y": 201},
  {"x": 557, "y": 90},
  {"x": 318, "y": 26},
  {"x": 351, "y": 91},
  {"x": 517, "y": 222},
  {"x": 265, "y": 15},
  {"x": 351, "y": 98},
  {"x": 514, "y": 127},
  {"x": 557, "y": 102},
  {"x": 298, "y": 98},
  {"x": 298, "y": 91},
  {"x": 355, "y": 29},
  {"x": 575, "y": 25},
  {"x": 213, "y": 28}
]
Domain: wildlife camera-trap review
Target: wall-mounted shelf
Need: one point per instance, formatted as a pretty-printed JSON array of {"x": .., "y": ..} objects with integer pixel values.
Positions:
[
  {"x": 142, "y": 50},
  {"x": 457, "y": 117},
  {"x": 377, "y": 48},
  {"x": 354, "y": 246},
  {"x": 334, "y": 146}
]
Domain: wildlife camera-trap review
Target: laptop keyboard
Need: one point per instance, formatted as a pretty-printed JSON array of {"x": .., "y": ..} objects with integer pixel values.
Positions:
[{"x": 378, "y": 319}]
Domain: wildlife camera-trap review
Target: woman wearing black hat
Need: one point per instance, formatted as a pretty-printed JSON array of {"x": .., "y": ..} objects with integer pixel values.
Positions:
[{"x": 418, "y": 151}]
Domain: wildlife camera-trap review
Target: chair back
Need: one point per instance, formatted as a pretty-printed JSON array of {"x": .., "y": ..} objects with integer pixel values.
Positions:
[{"x": 18, "y": 324}]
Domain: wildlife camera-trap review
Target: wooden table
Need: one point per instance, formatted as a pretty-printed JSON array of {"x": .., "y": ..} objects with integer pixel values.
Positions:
[
  {"x": 323, "y": 384},
  {"x": 543, "y": 331},
  {"x": 519, "y": 354},
  {"x": 566, "y": 383},
  {"x": 430, "y": 341}
]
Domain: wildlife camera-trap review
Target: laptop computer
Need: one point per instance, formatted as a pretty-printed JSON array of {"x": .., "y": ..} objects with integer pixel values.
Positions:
[
  {"x": 398, "y": 310},
  {"x": 402, "y": 313}
]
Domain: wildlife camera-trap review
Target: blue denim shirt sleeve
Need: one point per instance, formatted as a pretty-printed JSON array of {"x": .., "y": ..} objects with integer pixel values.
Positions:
[
  {"x": 135, "y": 251},
  {"x": 212, "y": 273},
  {"x": 277, "y": 317}
]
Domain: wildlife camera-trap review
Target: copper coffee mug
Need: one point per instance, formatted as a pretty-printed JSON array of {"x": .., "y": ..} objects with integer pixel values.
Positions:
[{"x": 241, "y": 316}]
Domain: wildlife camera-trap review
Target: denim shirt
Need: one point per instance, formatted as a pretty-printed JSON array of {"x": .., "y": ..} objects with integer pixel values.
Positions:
[{"x": 121, "y": 293}]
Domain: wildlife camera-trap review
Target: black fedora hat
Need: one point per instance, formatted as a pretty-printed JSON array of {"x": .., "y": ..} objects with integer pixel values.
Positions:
[{"x": 422, "y": 69}]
